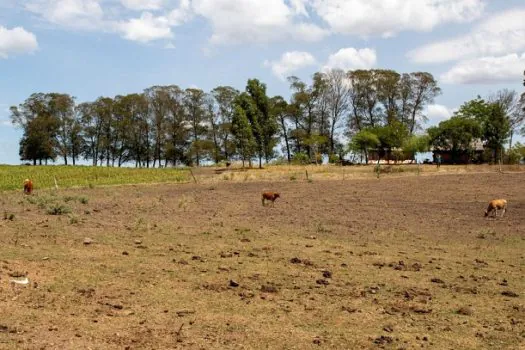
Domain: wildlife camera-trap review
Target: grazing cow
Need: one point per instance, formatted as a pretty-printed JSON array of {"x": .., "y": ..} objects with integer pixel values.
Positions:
[
  {"x": 269, "y": 196},
  {"x": 28, "y": 186},
  {"x": 495, "y": 205}
]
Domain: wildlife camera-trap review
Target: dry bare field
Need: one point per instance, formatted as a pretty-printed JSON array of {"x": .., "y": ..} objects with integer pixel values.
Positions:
[{"x": 400, "y": 262}]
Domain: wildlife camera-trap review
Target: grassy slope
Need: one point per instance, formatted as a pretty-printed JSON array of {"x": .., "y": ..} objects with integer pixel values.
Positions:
[{"x": 12, "y": 177}]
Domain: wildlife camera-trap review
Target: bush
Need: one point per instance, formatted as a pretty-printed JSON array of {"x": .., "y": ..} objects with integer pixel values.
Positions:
[
  {"x": 58, "y": 209},
  {"x": 300, "y": 158},
  {"x": 333, "y": 158}
]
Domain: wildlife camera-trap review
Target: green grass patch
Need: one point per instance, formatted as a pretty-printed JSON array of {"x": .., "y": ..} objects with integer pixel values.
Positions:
[{"x": 12, "y": 176}]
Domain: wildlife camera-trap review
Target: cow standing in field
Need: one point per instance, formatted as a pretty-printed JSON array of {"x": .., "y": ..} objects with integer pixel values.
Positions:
[
  {"x": 495, "y": 205},
  {"x": 269, "y": 196},
  {"x": 28, "y": 186}
]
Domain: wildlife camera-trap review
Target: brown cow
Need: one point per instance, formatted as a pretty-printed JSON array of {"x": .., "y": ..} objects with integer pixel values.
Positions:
[
  {"x": 28, "y": 186},
  {"x": 270, "y": 196},
  {"x": 495, "y": 205}
]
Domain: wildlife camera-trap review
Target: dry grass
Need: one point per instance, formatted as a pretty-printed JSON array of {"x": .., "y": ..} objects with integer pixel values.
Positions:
[{"x": 403, "y": 262}]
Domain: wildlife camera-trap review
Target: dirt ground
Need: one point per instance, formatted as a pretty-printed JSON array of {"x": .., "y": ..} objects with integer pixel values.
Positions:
[{"x": 394, "y": 263}]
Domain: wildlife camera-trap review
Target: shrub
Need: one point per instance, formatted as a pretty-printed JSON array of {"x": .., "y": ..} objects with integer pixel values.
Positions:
[{"x": 58, "y": 209}]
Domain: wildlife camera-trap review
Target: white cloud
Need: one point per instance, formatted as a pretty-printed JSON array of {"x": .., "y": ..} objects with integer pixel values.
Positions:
[
  {"x": 143, "y": 4},
  {"x": 290, "y": 62},
  {"x": 351, "y": 58},
  {"x": 388, "y": 17},
  {"x": 16, "y": 41},
  {"x": 169, "y": 46},
  {"x": 437, "y": 113},
  {"x": 146, "y": 28},
  {"x": 500, "y": 34},
  {"x": 6, "y": 123},
  {"x": 181, "y": 14},
  {"x": 255, "y": 21},
  {"x": 487, "y": 70},
  {"x": 80, "y": 14}
]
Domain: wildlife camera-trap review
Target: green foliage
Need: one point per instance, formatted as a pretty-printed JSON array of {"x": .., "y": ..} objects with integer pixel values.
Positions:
[
  {"x": 455, "y": 134},
  {"x": 364, "y": 141},
  {"x": 242, "y": 132},
  {"x": 300, "y": 158},
  {"x": 333, "y": 158},
  {"x": 417, "y": 144},
  {"x": 58, "y": 209},
  {"x": 516, "y": 154}
]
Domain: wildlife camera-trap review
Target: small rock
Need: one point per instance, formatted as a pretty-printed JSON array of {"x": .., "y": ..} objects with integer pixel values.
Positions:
[
  {"x": 465, "y": 310},
  {"x": 509, "y": 293},
  {"x": 383, "y": 340},
  {"x": 234, "y": 283},
  {"x": 388, "y": 328},
  {"x": 295, "y": 260},
  {"x": 327, "y": 274},
  {"x": 437, "y": 280},
  {"x": 138, "y": 241},
  {"x": 322, "y": 282},
  {"x": 88, "y": 241},
  {"x": 125, "y": 253},
  {"x": 268, "y": 288}
]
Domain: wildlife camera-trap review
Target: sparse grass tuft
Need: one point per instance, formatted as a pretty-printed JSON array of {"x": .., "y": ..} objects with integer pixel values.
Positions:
[{"x": 58, "y": 209}]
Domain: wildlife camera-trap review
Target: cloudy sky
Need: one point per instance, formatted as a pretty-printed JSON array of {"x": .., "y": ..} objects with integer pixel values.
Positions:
[{"x": 91, "y": 48}]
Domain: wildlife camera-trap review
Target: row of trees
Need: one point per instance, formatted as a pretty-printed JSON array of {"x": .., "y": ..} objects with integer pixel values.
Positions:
[{"x": 379, "y": 110}]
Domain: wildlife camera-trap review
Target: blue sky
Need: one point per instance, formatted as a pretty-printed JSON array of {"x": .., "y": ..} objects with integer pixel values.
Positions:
[{"x": 92, "y": 48}]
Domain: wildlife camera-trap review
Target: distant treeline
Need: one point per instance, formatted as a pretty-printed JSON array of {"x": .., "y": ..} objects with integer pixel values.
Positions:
[{"x": 379, "y": 110}]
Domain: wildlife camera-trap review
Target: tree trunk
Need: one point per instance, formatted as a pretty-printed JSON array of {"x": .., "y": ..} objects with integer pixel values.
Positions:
[{"x": 65, "y": 160}]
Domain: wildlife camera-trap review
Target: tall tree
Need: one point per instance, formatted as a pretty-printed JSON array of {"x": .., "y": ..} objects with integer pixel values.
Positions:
[
  {"x": 243, "y": 134},
  {"x": 423, "y": 90},
  {"x": 35, "y": 116},
  {"x": 225, "y": 99},
  {"x": 337, "y": 93},
  {"x": 279, "y": 107},
  {"x": 194, "y": 102},
  {"x": 62, "y": 107},
  {"x": 510, "y": 104},
  {"x": 177, "y": 143},
  {"x": 265, "y": 123},
  {"x": 159, "y": 106}
]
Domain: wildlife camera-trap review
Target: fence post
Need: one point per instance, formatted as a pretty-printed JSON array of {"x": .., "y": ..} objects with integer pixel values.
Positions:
[{"x": 194, "y": 179}]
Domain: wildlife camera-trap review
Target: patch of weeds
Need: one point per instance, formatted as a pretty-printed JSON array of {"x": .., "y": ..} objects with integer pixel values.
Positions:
[
  {"x": 58, "y": 209},
  {"x": 73, "y": 219},
  {"x": 32, "y": 200},
  {"x": 225, "y": 177},
  {"x": 293, "y": 178},
  {"x": 9, "y": 216},
  {"x": 91, "y": 185},
  {"x": 68, "y": 199},
  {"x": 83, "y": 200},
  {"x": 320, "y": 228},
  {"x": 486, "y": 233},
  {"x": 183, "y": 203}
]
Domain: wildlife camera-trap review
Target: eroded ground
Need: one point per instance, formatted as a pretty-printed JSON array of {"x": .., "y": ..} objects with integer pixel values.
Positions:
[{"x": 396, "y": 263}]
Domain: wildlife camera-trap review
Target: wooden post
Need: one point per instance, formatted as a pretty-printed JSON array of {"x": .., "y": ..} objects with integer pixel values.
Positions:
[
  {"x": 194, "y": 179},
  {"x": 307, "y": 175},
  {"x": 343, "y": 173}
]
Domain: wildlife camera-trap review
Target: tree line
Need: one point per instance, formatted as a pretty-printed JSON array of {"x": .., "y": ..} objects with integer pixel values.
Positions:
[{"x": 378, "y": 110}]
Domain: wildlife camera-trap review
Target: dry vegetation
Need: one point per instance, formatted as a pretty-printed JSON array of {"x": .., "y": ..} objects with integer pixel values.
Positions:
[{"x": 402, "y": 262}]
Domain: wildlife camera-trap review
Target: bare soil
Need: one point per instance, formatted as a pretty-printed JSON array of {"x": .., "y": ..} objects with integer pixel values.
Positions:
[{"x": 394, "y": 263}]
